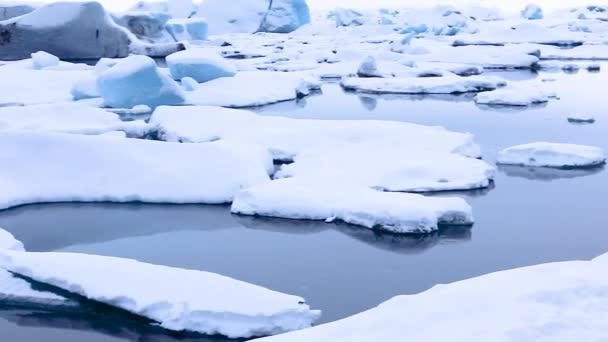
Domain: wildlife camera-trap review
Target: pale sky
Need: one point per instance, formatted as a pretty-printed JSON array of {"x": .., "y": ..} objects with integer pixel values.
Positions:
[{"x": 511, "y": 5}]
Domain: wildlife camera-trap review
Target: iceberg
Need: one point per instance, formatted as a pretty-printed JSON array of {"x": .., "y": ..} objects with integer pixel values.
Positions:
[
  {"x": 562, "y": 301},
  {"x": 200, "y": 64},
  {"x": 369, "y": 68},
  {"x": 293, "y": 198},
  {"x": 285, "y": 16},
  {"x": 241, "y": 16},
  {"x": 147, "y": 26},
  {"x": 544, "y": 154},
  {"x": 188, "y": 29},
  {"x": 532, "y": 12},
  {"x": 67, "y": 117},
  {"x": 72, "y": 30},
  {"x": 177, "y": 299},
  {"x": 448, "y": 84},
  {"x": 41, "y": 167},
  {"x": 136, "y": 80}
]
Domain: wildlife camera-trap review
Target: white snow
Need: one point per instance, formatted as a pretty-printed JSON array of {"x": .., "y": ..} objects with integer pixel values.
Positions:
[
  {"x": 557, "y": 302},
  {"x": 552, "y": 155},
  {"x": 293, "y": 198},
  {"x": 136, "y": 80},
  {"x": 423, "y": 85},
  {"x": 49, "y": 167},
  {"x": 200, "y": 64},
  {"x": 67, "y": 118},
  {"x": 180, "y": 8},
  {"x": 178, "y": 299}
]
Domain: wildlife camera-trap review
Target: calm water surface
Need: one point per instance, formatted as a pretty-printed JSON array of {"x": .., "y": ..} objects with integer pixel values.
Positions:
[{"x": 531, "y": 216}]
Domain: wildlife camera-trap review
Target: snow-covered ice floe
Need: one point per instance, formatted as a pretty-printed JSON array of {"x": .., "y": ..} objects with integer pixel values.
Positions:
[
  {"x": 515, "y": 95},
  {"x": 543, "y": 154},
  {"x": 9, "y": 243},
  {"x": 422, "y": 85},
  {"x": 563, "y": 301},
  {"x": 286, "y": 137},
  {"x": 200, "y": 64},
  {"x": 51, "y": 167},
  {"x": 68, "y": 117},
  {"x": 177, "y": 299},
  {"x": 251, "y": 89},
  {"x": 293, "y": 198}
]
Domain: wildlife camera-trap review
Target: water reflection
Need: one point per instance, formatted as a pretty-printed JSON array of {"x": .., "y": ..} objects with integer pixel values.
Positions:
[
  {"x": 46, "y": 227},
  {"x": 546, "y": 173},
  {"x": 510, "y": 109}
]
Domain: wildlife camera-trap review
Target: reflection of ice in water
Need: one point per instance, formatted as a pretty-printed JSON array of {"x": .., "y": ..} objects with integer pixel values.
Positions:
[{"x": 546, "y": 173}]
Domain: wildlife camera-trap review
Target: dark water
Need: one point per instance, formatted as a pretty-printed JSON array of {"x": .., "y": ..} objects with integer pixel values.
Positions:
[{"x": 531, "y": 216}]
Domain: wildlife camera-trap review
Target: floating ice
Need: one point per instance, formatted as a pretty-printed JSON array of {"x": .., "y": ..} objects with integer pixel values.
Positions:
[
  {"x": 422, "y": 85},
  {"x": 556, "y": 302},
  {"x": 49, "y": 167},
  {"x": 250, "y": 89},
  {"x": 178, "y": 299},
  {"x": 286, "y": 137},
  {"x": 552, "y": 155},
  {"x": 200, "y": 64},
  {"x": 515, "y": 95},
  {"x": 66, "y": 118},
  {"x": 136, "y": 80},
  {"x": 532, "y": 12},
  {"x": 396, "y": 212},
  {"x": 369, "y": 68}
]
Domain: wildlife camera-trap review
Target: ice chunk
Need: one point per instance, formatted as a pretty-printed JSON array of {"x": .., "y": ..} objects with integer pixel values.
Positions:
[
  {"x": 249, "y": 89},
  {"x": 50, "y": 167},
  {"x": 66, "y": 118},
  {"x": 8, "y": 242},
  {"x": 347, "y": 17},
  {"x": 359, "y": 205},
  {"x": 285, "y": 16},
  {"x": 136, "y": 80},
  {"x": 532, "y": 12},
  {"x": 178, "y": 299},
  {"x": 515, "y": 96},
  {"x": 369, "y": 68},
  {"x": 563, "y": 301},
  {"x": 41, "y": 60},
  {"x": 189, "y": 84},
  {"x": 552, "y": 155},
  {"x": 200, "y": 64},
  {"x": 286, "y": 137},
  {"x": 85, "y": 88},
  {"x": 188, "y": 29},
  {"x": 449, "y": 84}
]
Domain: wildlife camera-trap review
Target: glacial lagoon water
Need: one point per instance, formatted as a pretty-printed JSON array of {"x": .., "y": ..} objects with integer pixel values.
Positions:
[{"x": 529, "y": 216}]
